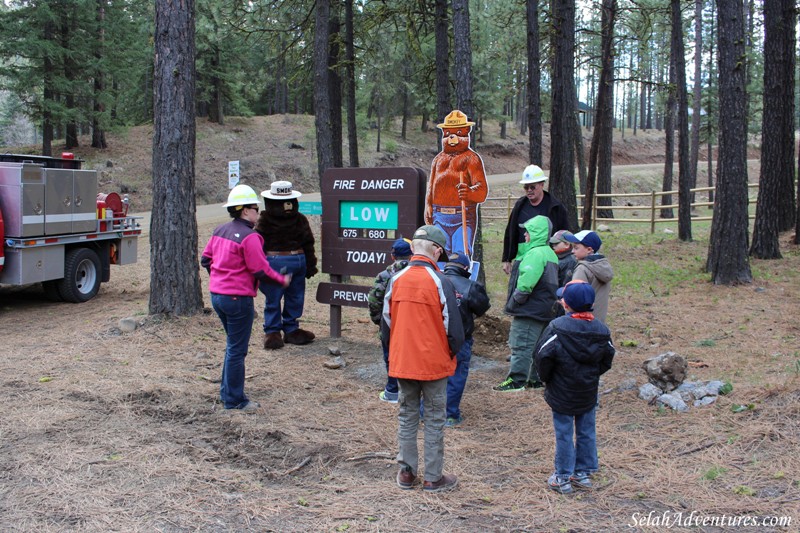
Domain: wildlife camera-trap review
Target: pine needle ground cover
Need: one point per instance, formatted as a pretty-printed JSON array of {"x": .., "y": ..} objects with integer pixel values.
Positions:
[{"x": 103, "y": 430}]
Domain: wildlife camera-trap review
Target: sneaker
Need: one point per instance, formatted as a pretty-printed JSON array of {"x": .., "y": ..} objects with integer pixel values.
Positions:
[
  {"x": 250, "y": 407},
  {"x": 405, "y": 478},
  {"x": 581, "y": 481},
  {"x": 446, "y": 482},
  {"x": 561, "y": 487},
  {"x": 536, "y": 384},
  {"x": 389, "y": 397},
  {"x": 509, "y": 385},
  {"x": 452, "y": 422}
]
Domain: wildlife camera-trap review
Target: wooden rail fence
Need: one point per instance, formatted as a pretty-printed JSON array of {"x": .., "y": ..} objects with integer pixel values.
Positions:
[{"x": 499, "y": 208}]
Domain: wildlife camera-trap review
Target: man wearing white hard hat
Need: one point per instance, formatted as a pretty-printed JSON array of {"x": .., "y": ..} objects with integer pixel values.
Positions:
[{"x": 535, "y": 201}]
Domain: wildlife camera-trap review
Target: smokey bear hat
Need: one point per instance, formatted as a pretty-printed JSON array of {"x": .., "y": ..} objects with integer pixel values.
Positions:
[{"x": 281, "y": 190}]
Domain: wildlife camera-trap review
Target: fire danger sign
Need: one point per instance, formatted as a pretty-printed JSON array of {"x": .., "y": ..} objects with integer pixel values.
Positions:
[{"x": 363, "y": 211}]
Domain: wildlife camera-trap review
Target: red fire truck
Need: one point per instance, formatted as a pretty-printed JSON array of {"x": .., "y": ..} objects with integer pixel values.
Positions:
[{"x": 57, "y": 230}]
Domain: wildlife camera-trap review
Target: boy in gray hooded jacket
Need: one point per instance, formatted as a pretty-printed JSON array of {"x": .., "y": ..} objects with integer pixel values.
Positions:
[{"x": 593, "y": 268}]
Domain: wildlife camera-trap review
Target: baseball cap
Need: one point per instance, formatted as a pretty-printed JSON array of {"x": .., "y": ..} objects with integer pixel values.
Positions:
[
  {"x": 560, "y": 236},
  {"x": 431, "y": 233},
  {"x": 401, "y": 248},
  {"x": 578, "y": 295},
  {"x": 586, "y": 238},
  {"x": 459, "y": 259}
]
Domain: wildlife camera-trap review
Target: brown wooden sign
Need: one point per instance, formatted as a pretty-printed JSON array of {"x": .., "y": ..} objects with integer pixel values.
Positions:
[
  {"x": 364, "y": 210},
  {"x": 343, "y": 294}
]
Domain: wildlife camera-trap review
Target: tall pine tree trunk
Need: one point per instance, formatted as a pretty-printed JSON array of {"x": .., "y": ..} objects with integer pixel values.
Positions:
[
  {"x": 776, "y": 209},
  {"x": 350, "y": 75},
  {"x": 534, "y": 81},
  {"x": 599, "y": 176},
  {"x": 727, "y": 261},
  {"x": 462, "y": 51},
  {"x": 443, "y": 106},
  {"x": 562, "y": 152},
  {"x": 697, "y": 93},
  {"x": 322, "y": 98},
  {"x": 684, "y": 171},
  {"x": 174, "y": 268},
  {"x": 98, "y": 133}
]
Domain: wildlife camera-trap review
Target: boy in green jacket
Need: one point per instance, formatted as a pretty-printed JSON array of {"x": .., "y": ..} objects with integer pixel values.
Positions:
[{"x": 531, "y": 294}]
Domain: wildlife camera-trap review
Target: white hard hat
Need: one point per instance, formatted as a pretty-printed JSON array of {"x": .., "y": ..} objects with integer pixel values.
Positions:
[
  {"x": 532, "y": 174},
  {"x": 242, "y": 195}
]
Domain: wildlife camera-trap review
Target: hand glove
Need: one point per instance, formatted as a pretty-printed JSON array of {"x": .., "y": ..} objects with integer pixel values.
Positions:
[{"x": 311, "y": 272}]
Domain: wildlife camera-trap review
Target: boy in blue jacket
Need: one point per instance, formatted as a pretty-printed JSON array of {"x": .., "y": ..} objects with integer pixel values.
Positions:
[{"x": 572, "y": 353}]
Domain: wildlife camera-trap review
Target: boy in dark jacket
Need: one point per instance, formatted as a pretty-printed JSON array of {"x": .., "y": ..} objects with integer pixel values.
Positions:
[
  {"x": 566, "y": 259},
  {"x": 401, "y": 253},
  {"x": 472, "y": 302},
  {"x": 572, "y": 353}
]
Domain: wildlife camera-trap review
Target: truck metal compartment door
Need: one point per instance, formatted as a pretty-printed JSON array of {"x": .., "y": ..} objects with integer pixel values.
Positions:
[
  {"x": 32, "y": 265},
  {"x": 22, "y": 199},
  {"x": 58, "y": 201}
]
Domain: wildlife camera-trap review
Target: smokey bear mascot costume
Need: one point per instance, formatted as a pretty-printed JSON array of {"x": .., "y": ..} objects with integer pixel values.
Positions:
[{"x": 289, "y": 247}]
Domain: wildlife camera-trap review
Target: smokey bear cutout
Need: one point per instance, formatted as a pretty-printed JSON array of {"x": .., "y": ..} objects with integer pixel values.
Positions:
[{"x": 457, "y": 185}]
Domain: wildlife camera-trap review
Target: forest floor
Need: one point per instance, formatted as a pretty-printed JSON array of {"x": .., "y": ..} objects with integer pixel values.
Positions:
[{"x": 110, "y": 431}]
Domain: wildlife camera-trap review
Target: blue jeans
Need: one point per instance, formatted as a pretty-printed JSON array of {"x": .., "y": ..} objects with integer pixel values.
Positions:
[
  {"x": 454, "y": 229},
  {"x": 236, "y": 314},
  {"x": 391, "y": 383},
  {"x": 580, "y": 456},
  {"x": 457, "y": 382},
  {"x": 293, "y": 296}
]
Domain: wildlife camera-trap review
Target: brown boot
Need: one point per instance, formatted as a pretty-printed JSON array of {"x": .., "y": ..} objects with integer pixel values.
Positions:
[
  {"x": 299, "y": 336},
  {"x": 446, "y": 482},
  {"x": 272, "y": 341}
]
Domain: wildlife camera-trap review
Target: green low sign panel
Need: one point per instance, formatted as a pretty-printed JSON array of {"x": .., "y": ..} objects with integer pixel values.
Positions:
[{"x": 368, "y": 215}]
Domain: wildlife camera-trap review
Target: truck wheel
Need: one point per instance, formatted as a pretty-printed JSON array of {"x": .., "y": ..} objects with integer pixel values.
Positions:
[
  {"x": 81, "y": 276},
  {"x": 51, "y": 290}
]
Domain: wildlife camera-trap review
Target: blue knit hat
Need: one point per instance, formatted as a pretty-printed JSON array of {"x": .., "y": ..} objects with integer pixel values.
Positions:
[
  {"x": 578, "y": 295},
  {"x": 401, "y": 248},
  {"x": 459, "y": 259}
]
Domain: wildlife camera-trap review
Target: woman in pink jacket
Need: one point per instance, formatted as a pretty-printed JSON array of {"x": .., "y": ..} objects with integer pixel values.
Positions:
[{"x": 236, "y": 263}]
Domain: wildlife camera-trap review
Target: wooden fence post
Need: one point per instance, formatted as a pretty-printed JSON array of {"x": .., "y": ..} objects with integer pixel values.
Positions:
[{"x": 652, "y": 212}]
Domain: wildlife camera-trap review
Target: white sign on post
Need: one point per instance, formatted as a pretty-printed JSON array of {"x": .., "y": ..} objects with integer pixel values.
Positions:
[{"x": 233, "y": 174}]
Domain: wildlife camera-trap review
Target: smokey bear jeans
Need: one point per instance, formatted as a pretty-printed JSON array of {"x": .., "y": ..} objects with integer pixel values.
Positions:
[
  {"x": 293, "y": 296},
  {"x": 236, "y": 314},
  {"x": 452, "y": 225}
]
